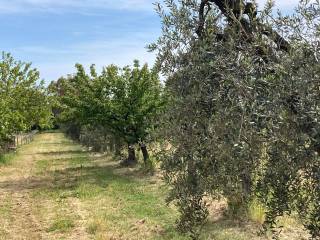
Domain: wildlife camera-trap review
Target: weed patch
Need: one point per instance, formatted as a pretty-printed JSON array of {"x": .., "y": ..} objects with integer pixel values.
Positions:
[{"x": 61, "y": 225}]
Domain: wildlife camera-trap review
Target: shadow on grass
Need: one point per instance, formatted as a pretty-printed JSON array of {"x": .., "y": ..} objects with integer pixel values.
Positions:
[
  {"x": 71, "y": 177},
  {"x": 58, "y": 152},
  {"x": 65, "y": 143},
  {"x": 98, "y": 176}
]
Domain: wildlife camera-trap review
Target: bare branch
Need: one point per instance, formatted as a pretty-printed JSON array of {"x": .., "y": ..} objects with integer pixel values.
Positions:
[{"x": 234, "y": 11}]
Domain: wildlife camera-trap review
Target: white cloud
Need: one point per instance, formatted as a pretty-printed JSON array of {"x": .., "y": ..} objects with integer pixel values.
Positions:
[{"x": 17, "y": 6}]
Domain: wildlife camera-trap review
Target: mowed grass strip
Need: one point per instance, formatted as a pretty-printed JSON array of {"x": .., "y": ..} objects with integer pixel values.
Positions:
[
  {"x": 114, "y": 202},
  {"x": 111, "y": 202},
  {"x": 79, "y": 195}
]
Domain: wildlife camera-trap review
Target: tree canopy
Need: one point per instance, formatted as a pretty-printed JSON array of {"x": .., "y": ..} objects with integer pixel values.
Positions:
[
  {"x": 23, "y": 100},
  {"x": 123, "y": 101},
  {"x": 244, "y": 122}
]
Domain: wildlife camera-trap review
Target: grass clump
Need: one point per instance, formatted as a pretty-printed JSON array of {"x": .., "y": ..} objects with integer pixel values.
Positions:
[
  {"x": 6, "y": 159},
  {"x": 256, "y": 212},
  {"x": 42, "y": 166},
  {"x": 87, "y": 191},
  {"x": 5, "y": 207},
  {"x": 61, "y": 225},
  {"x": 95, "y": 226}
]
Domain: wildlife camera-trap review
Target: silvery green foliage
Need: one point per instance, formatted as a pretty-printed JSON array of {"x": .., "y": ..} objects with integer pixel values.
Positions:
[{"x": 244, "y": 120}]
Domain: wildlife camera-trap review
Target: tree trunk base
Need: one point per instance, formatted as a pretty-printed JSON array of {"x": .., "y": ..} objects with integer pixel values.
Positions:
[
  {"x": 131, "y": 160},
  {"x": 145, "y": 153}
]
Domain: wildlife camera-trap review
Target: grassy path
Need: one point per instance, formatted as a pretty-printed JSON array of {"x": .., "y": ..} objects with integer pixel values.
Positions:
[
  {"x": 29, "y": 174},
  {"x": 54, "y": 189}
]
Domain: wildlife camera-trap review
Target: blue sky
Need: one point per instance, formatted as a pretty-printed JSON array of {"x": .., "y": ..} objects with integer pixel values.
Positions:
[{"x": 56, "y": 34}]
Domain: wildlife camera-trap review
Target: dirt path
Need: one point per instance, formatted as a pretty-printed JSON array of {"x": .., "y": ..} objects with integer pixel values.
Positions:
[{"x": 21, "y": 215}]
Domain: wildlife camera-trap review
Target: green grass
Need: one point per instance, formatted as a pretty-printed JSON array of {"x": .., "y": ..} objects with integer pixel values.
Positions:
[
  {"x": 113, "y": 200},
  {"x": 119, "y": 201},
  {"x": 256, "y": 212},
  {"x": 78, "y": 161},
  {"x": 75, "y": 191},
  {"x": 93, "y": 227},
  {"x": 5, "y": 213},
  {"x": 42, "y": 166},
  {"x": 6, "y": 159},
  {"x": 5, "y": 207},
  {"x": 61, "y": 225}
]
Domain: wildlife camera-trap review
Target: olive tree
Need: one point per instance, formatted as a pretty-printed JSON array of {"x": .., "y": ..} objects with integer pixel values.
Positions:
[{"x": 243, "y": 122}]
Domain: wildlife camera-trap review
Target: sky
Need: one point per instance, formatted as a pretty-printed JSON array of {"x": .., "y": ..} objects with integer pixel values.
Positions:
[{"x": 56, "y": 34}]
